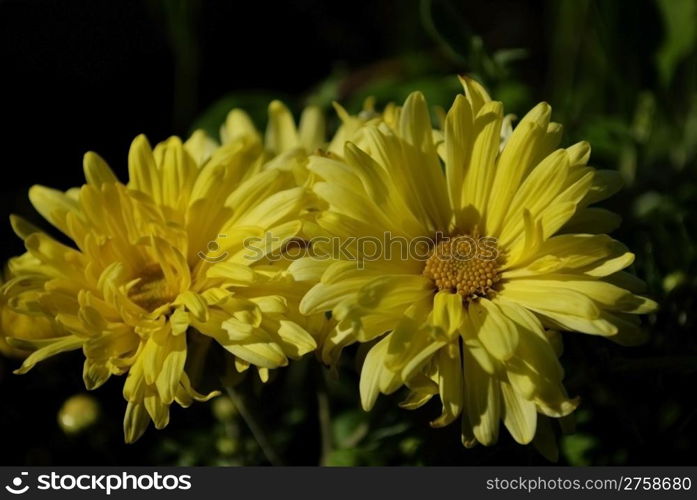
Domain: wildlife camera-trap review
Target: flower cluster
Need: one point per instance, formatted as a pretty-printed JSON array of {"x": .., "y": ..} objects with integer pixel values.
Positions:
[{"x": 511, "y": 254}]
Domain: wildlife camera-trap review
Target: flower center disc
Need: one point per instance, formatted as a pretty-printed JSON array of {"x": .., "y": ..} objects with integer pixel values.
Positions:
[
  {"x": 465, "y": 265},
  {"x": 152, "y": 290}
]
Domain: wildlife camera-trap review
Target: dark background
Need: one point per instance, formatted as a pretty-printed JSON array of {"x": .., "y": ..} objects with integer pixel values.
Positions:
[{"x": 92, "y": 74}]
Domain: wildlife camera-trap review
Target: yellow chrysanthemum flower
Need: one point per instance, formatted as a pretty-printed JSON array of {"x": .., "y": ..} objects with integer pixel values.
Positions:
[
  {"x": 509, "y": 252},
  {"x": 159, "y": 261}
]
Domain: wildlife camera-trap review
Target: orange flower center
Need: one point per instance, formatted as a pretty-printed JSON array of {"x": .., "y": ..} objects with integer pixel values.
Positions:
[{"x": 467, "y": 265}]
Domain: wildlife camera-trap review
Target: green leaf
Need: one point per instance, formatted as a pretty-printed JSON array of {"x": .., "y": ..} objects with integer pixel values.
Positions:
[
  {"x": 349, "y": 428},
  {"x": 680, "y": 23},
  {"x": 576, "y": 447},
  {"x": 343, "y": 458}
]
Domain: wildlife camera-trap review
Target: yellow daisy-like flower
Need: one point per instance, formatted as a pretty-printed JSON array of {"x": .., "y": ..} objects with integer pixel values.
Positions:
[
  {"x": 161, "y": 262},
  {"x": 287, "y": 146},
  {"x": 499, "y": 249}
]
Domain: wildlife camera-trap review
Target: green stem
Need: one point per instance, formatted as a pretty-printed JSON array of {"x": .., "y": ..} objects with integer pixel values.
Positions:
[
  {"x": 254, "y": 427},
  {"x": 325, "y": 420}
]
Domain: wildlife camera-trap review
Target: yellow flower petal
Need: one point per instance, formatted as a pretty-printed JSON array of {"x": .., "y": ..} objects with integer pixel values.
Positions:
[
  {"x": 53, "y": 205},
  {"x": 393, "y": 291},
  {"x": 48, "y": 348},
  {"x": 142, "y": 170},
  {"x": 450, "y": 384},
  {"x": 519, "y": 415},
  {"x": 374, "y": 376},
  {"x": 497, "y": 333},
  {"x": 476, "y": 93},
  {"x": 281, "y": 134},
  {"x": 311, "y": 129},
  {"x": 297, "y": 340},
  {"x": 592, "y": 220},
  {"x": 448, "y": 311},
  {"x": 200, "y": 146},
  {"x": 515, "y": 162},
  {"x": 483, "y": 401},
  {"x": 97, "y": 171},
  {"x": 480, "y": 175},
  {"x": 135, "y": 422},
  {"x": 237, "y": 125},
  {"x": 459, "y": 128}
]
